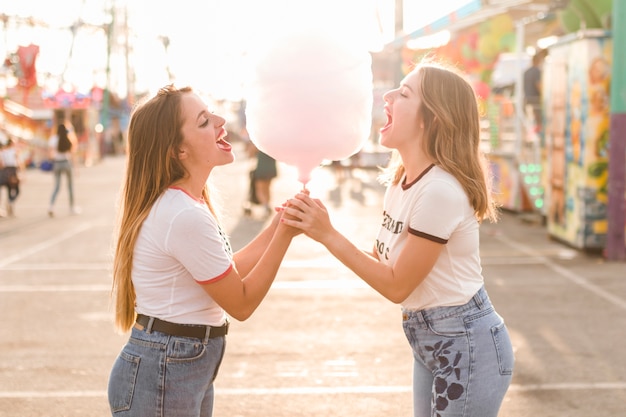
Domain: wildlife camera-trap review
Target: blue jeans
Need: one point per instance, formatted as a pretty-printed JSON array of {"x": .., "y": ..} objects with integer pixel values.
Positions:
[
  {"x": 463, "y": 359},
  {"x": 62, "y": 167},
  {"x": 157, "y": 374}
]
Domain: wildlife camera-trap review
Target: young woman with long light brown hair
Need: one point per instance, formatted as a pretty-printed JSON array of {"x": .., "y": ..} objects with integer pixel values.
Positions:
[{"x": 175, "y": 276}]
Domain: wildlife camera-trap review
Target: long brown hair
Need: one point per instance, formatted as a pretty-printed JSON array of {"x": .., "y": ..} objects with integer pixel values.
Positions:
[
  {"x": 64, "y": 143},
  {"x": 154, "y": 137},
  {"x": 452, "y": 134}
]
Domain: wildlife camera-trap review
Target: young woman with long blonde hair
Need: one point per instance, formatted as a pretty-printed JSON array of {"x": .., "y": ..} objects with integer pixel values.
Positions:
[{"x": 426, "y": 254}]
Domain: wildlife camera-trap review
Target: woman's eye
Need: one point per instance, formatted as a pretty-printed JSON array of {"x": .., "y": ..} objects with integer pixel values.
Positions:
[{"x": 205, "y": 123}]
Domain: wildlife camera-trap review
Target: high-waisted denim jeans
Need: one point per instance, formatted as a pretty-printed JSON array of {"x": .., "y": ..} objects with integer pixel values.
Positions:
[
  {"x": 159, "y": 375},
  {"x": 463, "y": 359}
]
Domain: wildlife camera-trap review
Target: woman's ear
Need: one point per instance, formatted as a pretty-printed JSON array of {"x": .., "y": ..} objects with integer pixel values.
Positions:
[{"x": 178, "y": 154}]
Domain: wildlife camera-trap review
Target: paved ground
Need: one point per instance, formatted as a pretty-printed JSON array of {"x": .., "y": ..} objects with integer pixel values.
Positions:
[{"x": 321, "y": 344}]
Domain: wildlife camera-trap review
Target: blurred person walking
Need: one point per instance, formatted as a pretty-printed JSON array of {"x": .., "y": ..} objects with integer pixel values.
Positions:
[
  {"x": 175, "y": 276},
  {"x": 261, "y": 178},
  {"x": 532, "y": 89},
  {"x": 62, "y": 146},
  {"x": 10, "y": 174},
  {"x": 426, "y": 255}
]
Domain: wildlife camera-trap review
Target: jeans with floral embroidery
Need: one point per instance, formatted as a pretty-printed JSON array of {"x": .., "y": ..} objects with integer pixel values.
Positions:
[{"x": 463, "y": 359}]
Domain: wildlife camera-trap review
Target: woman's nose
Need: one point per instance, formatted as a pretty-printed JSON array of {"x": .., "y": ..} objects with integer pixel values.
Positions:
[
  {"x": 387, "y": 97},
  {"x": 219, "y": 120}
]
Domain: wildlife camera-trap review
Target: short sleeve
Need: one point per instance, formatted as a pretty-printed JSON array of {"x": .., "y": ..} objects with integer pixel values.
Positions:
[
  {"x": 438, "y": 211},
  {"x": 194, "y": 239}
]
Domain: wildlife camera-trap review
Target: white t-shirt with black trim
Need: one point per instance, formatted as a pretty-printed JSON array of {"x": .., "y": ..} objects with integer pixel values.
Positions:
[
  {"x": 434, "y": 207},
  {"x": 180, "y": 247}
]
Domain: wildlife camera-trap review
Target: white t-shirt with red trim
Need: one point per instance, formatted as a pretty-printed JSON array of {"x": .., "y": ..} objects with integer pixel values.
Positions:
[
  {"x": 180, "y": 248},
  {"x": 434, "y": 207}
]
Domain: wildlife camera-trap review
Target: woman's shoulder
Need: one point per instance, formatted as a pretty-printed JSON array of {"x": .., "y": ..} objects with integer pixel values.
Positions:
[
  {"x": 176, "y": 203},
  {"x": 187, "y": 219},
  {"x": 442, "y": 175},
  {"x": 441, "y": 183}
]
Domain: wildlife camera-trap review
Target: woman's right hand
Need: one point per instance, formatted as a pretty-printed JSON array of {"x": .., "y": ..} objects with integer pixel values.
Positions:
[
  {"x": 278, "y": 223},
  {"x": 308, "y": 215}
]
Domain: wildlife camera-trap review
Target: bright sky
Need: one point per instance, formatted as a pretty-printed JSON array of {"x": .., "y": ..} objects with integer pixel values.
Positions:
[{"x": 210, "y": 40}]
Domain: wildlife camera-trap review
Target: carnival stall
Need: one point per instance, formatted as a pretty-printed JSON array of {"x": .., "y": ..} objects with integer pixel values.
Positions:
[{"x": 576, "y": 101}]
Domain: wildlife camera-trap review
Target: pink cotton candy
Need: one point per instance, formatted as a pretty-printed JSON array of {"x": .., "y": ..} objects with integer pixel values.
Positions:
[{"x": 310, "y": 99}]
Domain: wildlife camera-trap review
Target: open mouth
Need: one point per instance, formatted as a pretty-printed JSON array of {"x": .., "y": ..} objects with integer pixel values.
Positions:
[
  {"x": 222, "y": 144},
  {"x": 389, "y": 121}
]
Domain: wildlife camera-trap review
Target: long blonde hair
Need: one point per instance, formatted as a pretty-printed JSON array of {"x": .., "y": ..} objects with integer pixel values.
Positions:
[
  {"x": 154, "y": 137},
  {"x": 451, "y": 135}
]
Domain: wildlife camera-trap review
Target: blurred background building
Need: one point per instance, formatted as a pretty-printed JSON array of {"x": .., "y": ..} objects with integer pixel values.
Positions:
[
  {"x": 88, "y": 62},
  {"x": 556, "y": 167}
]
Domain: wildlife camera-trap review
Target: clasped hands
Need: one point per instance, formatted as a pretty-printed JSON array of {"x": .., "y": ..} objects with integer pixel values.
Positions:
[{"x": 306, "y": 215}]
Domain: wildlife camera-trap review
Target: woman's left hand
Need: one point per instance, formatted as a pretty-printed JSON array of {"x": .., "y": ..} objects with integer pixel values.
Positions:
[{"x": 309, "y": 215}]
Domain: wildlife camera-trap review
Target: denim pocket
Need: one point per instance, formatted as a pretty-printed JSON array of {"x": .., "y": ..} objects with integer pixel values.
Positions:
[
  {"x": 122, "y": 382},
  {"x": 182, "y": 350},
  {"x": 449, "y": 327},
  {"x": 504, "y": 349}
]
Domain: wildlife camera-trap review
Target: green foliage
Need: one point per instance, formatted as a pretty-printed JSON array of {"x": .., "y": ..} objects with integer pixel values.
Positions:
[{"x": 586, "y": 14}]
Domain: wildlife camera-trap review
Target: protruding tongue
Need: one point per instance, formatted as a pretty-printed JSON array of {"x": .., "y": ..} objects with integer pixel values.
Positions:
[{"x": 223, "y": 145}]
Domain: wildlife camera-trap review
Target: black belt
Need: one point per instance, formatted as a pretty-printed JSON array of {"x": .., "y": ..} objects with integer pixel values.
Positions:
[{"x": 183, "y": 330}]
